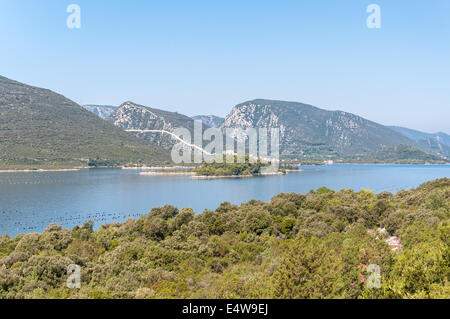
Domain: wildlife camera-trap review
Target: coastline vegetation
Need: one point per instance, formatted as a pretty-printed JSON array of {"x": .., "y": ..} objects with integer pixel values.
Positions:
[
  {"x": 312, "y": 163},
  {"x": 247, "y": 168},
  {"x": 314, "y": 245}
]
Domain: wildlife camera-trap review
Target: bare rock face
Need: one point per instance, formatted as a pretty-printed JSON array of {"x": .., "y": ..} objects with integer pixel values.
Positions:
[
  {"x": 132, "y": 116},
  {"x": 381, "y": 233},
  {"x": 306, "y": 130},
  {"x": 394, "y": 242}
]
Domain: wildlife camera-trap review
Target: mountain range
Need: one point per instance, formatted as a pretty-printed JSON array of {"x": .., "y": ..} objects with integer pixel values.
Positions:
[
  {"x": 310, "y": 132},
  {"x": 40, "y": 128},
  {"x": 306, "y": 132}
]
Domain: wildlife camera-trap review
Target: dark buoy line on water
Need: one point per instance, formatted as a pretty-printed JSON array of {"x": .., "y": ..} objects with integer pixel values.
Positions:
[{"x": 29, "y": 223}]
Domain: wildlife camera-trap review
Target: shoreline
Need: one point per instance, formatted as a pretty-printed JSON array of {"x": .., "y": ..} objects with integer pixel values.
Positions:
[
  {"x": 162, "y": 173},
  {"x": 236, "y": 176},
  {"x": 375, "y": 164},
  {"x": 154, "y": 167},
  {"x": 42, "y": 170},
  {"x": 30, "y": 170},
  {"x": 192, "y": 174},
  {"x": 220, "y": 176}
]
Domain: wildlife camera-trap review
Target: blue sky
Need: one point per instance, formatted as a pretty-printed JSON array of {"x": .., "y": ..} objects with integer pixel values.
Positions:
[{"x": 203, "y": 57}]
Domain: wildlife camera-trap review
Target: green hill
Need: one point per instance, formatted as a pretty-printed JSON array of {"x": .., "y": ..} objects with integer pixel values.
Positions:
[
  {"x": 43, "y": 129},
  {"x": 230, "y": 169},
  {"x": 402, "y": 154}
]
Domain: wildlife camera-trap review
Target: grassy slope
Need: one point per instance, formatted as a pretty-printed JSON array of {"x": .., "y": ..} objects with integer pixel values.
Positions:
[{"x": 39, "y": 128}]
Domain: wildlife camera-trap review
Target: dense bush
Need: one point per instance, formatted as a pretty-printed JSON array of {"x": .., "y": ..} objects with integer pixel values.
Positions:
[
  {"x": 235, "y": 168},
  {"x": 316, "y": 245}
]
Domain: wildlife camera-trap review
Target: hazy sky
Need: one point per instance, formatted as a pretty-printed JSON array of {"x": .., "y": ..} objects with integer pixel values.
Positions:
[{"x": 203, "y": 57}]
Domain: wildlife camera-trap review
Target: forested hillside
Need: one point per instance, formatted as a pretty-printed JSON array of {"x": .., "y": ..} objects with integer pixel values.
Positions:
[{"x": 314, "y": 245}]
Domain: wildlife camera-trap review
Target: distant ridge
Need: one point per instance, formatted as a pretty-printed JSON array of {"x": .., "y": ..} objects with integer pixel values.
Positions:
[
  {"x": 100, "y": 110},
  {"x": 210, "y": 120},
  {"x": 419, "y": 135}
]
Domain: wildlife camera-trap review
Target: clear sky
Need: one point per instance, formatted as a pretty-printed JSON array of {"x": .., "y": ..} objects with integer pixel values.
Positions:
[{"x": 203, "y": 57}]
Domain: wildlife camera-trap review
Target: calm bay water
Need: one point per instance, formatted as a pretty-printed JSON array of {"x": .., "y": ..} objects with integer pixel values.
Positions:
[{"x": 29, "y": 201}]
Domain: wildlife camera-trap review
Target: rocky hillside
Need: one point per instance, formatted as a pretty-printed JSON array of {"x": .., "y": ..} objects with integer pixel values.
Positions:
[
  {"x": 210, "y": 120},
  {"x": 132, "y": 116},
  {"x": 42, "y": 129},
  {"x": 309, "y": 132},
  {"x": 101, "y": 110}
]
